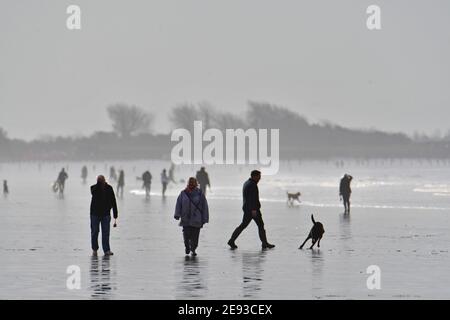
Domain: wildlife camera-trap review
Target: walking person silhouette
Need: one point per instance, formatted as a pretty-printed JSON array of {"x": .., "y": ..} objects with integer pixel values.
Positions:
[{"x": 251, "y": 208}]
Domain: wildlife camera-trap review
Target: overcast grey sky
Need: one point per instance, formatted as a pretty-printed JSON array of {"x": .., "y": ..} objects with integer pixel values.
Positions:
[{"x": 314, "y": 57}]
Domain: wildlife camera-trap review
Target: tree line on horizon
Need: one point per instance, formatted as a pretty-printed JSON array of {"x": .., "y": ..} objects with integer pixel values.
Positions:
[{"x": 132, "y": 136}]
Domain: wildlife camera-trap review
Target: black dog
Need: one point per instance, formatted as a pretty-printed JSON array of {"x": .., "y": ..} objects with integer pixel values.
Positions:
[{"x": 315, "y": 234}]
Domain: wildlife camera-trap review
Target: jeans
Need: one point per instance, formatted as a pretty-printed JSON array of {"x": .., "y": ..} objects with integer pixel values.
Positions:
[
  {"x": 104, "y": 221},
  {"x": 248, "y": 217}
]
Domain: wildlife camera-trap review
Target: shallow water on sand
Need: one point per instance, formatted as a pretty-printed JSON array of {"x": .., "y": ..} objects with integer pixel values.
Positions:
[{"x": 399, "y": 222}]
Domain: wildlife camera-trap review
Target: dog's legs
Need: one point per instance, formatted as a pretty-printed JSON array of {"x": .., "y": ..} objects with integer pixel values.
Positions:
[
  {"x": 318, "y": 243},
  {"x": 313, "y": 243},
  {"x": 301, "y": 247}
]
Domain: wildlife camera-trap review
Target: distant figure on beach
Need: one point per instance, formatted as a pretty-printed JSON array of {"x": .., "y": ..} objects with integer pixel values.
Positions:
[
  {"x": 61, "y": 180},
  {"x": 251, "y": 208},
  {"x": 84, "y": 173},
  {"x": 171, "y": 176},
  {"x": 147, "y": 182},
  {"x": 345, "y": 191},
  {"x": 121, "y": 183},
  {"x": 112, "y": 174},
  {"x": 164, "y": 182},
  {"x": 203, "y": 179},
  {"x": 192, "y": 211},
  {"x": 5, "y": 188},
  {"x": 103, "y": 200}
]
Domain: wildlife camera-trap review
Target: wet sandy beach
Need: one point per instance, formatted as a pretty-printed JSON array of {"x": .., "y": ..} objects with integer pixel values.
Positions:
[{"x": 41, "y": 235}]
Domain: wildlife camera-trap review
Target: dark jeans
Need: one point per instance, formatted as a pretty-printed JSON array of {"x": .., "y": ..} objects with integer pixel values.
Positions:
[
  {"x": 203, "y": 189},
  {"x": 248, "y": 217},
  {"x": 190, "y": 235},
  {"x": 96, "y": 221}
]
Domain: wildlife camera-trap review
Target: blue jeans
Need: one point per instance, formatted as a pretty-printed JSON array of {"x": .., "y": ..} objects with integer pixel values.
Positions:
[{"x": 96, "y": 221}]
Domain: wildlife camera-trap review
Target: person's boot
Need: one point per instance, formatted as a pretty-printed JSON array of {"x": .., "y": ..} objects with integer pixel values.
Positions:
[
  {"x": 263, "y": 238},
  {"x": 109, "y": 253},
  {"x": 194, "y": 254},
  {"x": 187, "y": 250},
  {"x": 232, "y": 244},
  {"x": 94, "y": 253},
  {"x": 268, "y": 245},
  {"x": 233, "y": 238}
]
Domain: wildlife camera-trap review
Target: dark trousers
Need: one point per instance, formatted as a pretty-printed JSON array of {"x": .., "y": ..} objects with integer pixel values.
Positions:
[
  {"x": 147, "y": 189},
  {"x": 346, "y": 199},
  {"x": 96, "y": 221},
  {"x": 248, "y": 217},
  {"x": 190, "y": 235},
  {"x": 61, "y": 185}
]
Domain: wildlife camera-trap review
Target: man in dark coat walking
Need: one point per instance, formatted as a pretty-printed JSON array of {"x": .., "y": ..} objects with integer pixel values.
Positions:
[
  {"x": 252, "y": 211},
  {"x": 103, "y": 200}
]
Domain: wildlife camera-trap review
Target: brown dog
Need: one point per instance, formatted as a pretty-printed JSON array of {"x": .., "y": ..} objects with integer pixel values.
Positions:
[
  {"x": 315, "y": 234},
  {"x": 292, "y": 197}
]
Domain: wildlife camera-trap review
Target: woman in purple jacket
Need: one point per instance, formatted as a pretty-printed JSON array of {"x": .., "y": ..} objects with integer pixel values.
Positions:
[{"x": 192, "y": 211}]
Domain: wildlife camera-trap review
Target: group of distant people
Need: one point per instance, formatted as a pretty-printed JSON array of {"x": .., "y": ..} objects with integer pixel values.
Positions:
[{"x": 59, "y": 184}]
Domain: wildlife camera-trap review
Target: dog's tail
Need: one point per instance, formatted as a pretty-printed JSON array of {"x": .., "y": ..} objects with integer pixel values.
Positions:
[{"x": 312, "y": 218}]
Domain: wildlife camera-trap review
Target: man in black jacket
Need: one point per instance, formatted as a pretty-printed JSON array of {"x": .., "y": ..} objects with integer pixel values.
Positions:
[
  {"x": 103, "y": 200},
  {"x": 251, "y": 210}
]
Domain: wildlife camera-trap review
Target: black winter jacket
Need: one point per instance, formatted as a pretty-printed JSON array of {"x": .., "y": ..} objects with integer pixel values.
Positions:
[
  {"x": 250, "y": 195},
  {"x": 103, "y": 200}
]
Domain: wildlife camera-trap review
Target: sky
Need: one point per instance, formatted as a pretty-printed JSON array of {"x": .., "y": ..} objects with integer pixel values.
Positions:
[{"x": 314, "y": 57}]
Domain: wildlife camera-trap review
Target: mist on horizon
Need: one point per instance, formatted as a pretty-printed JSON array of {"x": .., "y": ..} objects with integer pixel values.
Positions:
[{"x": 317, "y": 59}]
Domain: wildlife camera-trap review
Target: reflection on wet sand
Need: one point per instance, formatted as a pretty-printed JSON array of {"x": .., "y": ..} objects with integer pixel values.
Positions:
[
  {"x": 345, "y": 226},
  {"x": 252, "y": 272},
  {"x": 317, "y": 263},
  {"x": 100, "y": 274},
  {"x": 193, "y": 282}
]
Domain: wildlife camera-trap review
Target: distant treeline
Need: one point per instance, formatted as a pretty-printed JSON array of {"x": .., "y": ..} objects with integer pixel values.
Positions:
[{"x": 299, "y": 139}]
